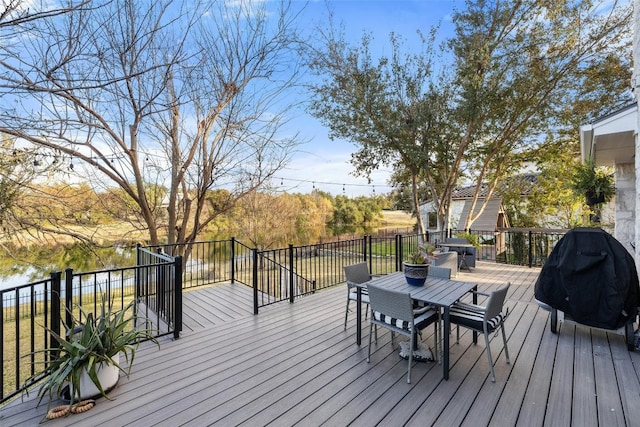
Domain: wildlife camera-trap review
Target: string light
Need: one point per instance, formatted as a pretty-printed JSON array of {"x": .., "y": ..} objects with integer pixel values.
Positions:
[
  {"x": 327, "y": 183},
  {"x": 40, "y": 156},
  {"x": 109, "y": 158}
]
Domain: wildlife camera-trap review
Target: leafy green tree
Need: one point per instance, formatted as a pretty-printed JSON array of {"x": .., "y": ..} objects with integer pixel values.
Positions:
[
  {"x": 384, "y": 106},
  {"x": 23, "y": 204},
  {"x": 311, "y": 222},
  {"x": 519, "y": 64},
  {"x": 510, "y": 77}
]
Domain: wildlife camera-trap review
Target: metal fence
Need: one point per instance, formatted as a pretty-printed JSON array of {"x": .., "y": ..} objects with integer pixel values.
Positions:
[
  {"x": 275, "y": 275},
  {"x": 30, "y": 313},
  {"x": 519, "y": 246}
]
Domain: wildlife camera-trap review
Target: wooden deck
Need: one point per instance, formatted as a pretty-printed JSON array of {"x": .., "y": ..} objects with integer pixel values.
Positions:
[{"x": 293, "y": 364}]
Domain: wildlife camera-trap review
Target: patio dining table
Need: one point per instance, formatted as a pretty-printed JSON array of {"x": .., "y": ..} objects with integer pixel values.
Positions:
[{"x": 439, "y": 292}]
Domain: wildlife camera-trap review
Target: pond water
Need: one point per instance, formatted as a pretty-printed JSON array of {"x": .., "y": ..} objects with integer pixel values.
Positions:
[{"x": 18, "y": 279}]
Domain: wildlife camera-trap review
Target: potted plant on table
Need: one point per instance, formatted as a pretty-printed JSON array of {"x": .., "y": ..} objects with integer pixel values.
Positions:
[
  {"x": 86, "y": 364},
  {"x": 416, "y": 265}
]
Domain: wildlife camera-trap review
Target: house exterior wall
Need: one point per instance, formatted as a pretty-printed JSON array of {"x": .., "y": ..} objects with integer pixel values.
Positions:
[
  {"x": 625, "y": 208},
  {"x": 454, "y": 212},
  {"x": 635, "y": 84}
]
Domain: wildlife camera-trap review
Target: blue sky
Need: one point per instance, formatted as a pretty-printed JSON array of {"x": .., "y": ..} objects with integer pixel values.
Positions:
[{"x": 324, "y": 163}]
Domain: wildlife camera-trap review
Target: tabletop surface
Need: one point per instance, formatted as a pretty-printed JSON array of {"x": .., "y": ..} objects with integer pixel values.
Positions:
[{"x": 437, "y": 291}]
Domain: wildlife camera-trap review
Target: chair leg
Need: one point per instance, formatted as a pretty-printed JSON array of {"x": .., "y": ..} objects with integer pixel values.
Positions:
[
  {"x": 369, "y": 351},
  {"x": 411, "y": 342},
  {"x": 488, "y": 350},
  {"x": 436, "y": 326},
  {"x": 504, "y": 339},
  {"x": 346, "y": 314}
]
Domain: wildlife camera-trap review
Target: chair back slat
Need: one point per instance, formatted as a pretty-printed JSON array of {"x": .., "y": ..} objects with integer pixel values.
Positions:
[
  {"x": 391, "y": 303},
  {"x": 439, "y": 272},
  {"x": 357, "y": 273},
  {"x": 496, "y": 300}
]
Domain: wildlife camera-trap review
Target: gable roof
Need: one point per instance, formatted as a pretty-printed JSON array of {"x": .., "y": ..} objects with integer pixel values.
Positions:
[
  {"x": 488, "y": 219},
  {"x": 525, "y": 182}
]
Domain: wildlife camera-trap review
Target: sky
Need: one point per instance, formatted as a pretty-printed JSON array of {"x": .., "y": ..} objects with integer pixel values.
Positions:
[{"x": 325, "y": 164}]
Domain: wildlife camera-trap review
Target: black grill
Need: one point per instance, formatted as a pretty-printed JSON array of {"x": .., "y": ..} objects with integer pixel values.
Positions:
[{"x": 592, "y": 278}]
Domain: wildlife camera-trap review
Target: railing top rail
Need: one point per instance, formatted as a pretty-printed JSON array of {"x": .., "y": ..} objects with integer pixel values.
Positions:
[
  {"x": 165, "y": 245},
  {"x": 535, "y": 230},
  {"x": 163, "y": 256},
  {"x": 27, "y": 285}
]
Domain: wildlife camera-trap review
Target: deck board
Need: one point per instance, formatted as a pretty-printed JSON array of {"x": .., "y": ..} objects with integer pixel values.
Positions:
[{"x": 294, "y": 364}]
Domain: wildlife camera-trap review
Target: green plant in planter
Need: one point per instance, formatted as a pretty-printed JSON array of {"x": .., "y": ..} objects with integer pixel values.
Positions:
[
  {"x": 95, "y": 341},
  {"x": 471, "y": 238},
  {"x": 594, "y": 183},
  {"x": 421, "y": 255}
]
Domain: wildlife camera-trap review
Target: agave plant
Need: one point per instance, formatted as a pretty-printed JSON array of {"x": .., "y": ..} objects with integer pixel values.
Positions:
[{"x": 90, "y": 343}]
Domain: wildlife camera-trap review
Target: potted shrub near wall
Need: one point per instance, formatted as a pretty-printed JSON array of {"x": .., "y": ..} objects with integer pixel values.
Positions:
[{"x": 87, "y": 362}]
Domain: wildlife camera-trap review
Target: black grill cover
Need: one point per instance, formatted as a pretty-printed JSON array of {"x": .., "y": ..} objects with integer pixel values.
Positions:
[{"x": 592, "y": 278}]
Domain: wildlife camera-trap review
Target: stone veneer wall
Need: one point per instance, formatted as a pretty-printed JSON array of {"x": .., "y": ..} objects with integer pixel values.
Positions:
[
  {"x": 635, "y": 83},
  {"x": 625, "y": 216}
]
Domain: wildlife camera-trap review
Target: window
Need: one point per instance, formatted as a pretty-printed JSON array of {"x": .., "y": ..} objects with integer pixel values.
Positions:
[{"x": 432, "y": 220}]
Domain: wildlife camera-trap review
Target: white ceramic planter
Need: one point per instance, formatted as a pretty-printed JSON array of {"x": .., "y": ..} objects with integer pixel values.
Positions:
[{"x": 108, "y": 375}]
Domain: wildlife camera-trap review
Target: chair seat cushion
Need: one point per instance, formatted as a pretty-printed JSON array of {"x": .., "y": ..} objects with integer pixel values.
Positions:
[
  {"x": 471, "y": 316},
  {"x": 353, "y": 296},
  {"x": 421, "y": 320}
]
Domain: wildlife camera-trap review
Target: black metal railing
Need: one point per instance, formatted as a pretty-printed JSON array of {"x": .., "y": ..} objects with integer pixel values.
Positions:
[
  {"x": 275, "y": 275},
  {"x": 530, "y": 247},
  {"x": 158, "y": 283},
  {"x": 204, "y": 262},
  {"x": 26, "y": 311},
  {"x": 29, "y": 311},
  {"x": 519, "y": 246}
]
